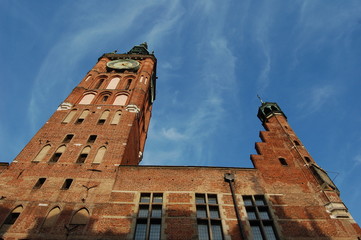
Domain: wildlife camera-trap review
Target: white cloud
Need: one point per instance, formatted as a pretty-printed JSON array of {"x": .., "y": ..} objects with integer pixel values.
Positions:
[{"x": 173, "y": 134}]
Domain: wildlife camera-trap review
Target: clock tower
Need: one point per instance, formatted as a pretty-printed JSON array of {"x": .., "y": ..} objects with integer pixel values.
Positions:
[{"x": 104, "y": 120}]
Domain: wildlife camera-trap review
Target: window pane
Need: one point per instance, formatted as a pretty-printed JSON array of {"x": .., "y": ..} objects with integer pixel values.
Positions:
[
  {"x": 259, "y": 201},
  {"x": 200, "y": 198},
  {"x": 251, "y": 214},
  {"x": 157, "y": 211},
  {"x": 270, "y": 234},
  {"x": 256, "y": 233},
  {"x": 212, "y": 199},
  {"x": 203, "y": 231},
  {"x": 140, "y": 231},
  {"x": 263, "y": 214},
  {"x": 154, "y": 233},
  {"x": 145, "y": 198},
  {"x": 216, "y": 231},
  {"x": 247, "y": 201},
  {"x": 143, "y": 211},
  {"x": 201, "y": 212},
  {"x": 157, "y": 198},
  {"x": 213, "y": 211}
]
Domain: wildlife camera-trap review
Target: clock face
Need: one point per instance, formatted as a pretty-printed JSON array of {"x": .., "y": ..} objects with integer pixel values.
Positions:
[{"x": 123, "y": 64}]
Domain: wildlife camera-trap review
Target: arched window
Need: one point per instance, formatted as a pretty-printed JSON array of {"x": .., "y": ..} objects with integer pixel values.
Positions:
[
  {"x": 120, "y": 100},
  {"x": 113, "y": 83},
  {"x": 57, "y": 154},
  {"x": 116, "y": 117},
  {"x": 141, "y": 78},
  {"x": 51, "y": 218},
  {"x": 11, "y": 218},
  {"x": 83, "y": 155},
  {"x": 103, "y": 117},
  {"x": 42, "y": 153},
  {"x": 128, "y": 84},
  {"x": 81, "y": 217},
  {"x": 87, "y": 99},
  {"x": 99, "y": 83},
  {"x": 82, "y": 116},
  {"x": 70, "y": 116},
  {"x": 100, "y": 154}
]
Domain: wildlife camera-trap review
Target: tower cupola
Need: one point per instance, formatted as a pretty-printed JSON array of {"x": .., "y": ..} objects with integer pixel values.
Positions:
[
  {"x": 269, "y": 109},
  {"x": 141, "y": 49}
]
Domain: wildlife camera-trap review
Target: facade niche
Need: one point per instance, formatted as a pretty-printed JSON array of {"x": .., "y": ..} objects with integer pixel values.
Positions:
[
  {"x": 70, "y": 116},
  {"x": 100, "y": 155},
  {"x": 81, "y": 217},
  {"x": 113, "y": 83},
  {"x": 116, "y": 117},
  {"x": 42, "y": 153},
  {"x": 120, "y": 100},
  {"x": 87, "y": 98},
  {"x": 52, "y": 217},
  {"x": 82, "y": 117},
  {"x": 103, "y": 117}
]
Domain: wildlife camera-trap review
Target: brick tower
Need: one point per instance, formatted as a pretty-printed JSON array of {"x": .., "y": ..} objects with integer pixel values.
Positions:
[{"x": 79, "y": 178}]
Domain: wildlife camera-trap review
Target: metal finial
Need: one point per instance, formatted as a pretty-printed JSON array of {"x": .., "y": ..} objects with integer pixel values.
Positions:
[{"x": 260, "y": 99}]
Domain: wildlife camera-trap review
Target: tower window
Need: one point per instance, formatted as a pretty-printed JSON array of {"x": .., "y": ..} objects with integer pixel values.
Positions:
[
  {"x": 11, "y": 218},
  {"x": 105, "y": 98},
  {"x": 68, "y": 138},
  {"x": 42, "y": 153},
  {"x": 149, "y": 219},
  {"x": 70, "y": 116},
  {"x": 259, "y": 218},
  {"x": 92, "y": 138},
  {"x": 67, "y": 184},
  {"x": 39, "y": 183},
  {"x": 103, "y": 117},
  {"x": 296, "y": 143},
  {"x": 308, "y": 159},
  {"x": 208, "y": 217},
  {"x": 87, "y": 99},
  {"x": 99, "y": 83},
  {"x": 120, "y": 100},
  {"x": 283, "y": 161},
  {"x": 128, "y": 84},
  {"x": 100, "y": 155},
  {"x": 83, "y": 155},
  {"x": 113, "y": 83},
  {"x": 57, "y": 154},
  {"x": 83, "y": 115}
]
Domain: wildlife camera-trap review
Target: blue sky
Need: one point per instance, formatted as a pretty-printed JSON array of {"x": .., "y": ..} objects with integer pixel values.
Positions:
[{"x": 214, "y": 57}]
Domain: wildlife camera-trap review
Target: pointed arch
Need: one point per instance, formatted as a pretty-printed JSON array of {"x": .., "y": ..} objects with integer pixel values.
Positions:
[
  {"x": 42, "y": 153},
  {"x": 81, "y": 217},
  {"x": 11, "y": 218},
  {"x": 52, "y": 217},
  {"x": 58, "y": 153},
  {"x": 70, "y": 116},
  {"x": 103, "y": 117},
  {"x": 87, "y": 98},
  {"x": 116, "y": 117},
  {"x": 120, "y": 100},
  {"x": 100, "y": 154},
  {"x": 83, "y": 155},
  {"x": 113, "y": 83}
]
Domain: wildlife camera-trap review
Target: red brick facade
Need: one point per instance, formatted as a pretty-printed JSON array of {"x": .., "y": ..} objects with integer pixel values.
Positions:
[{"x": 73, "y": 190}]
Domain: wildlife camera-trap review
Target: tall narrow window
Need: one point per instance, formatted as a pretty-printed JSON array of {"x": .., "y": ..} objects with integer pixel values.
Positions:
[
  {"x": 113, "y": 83},
  {"x": 87, "y": 99},
  {"x": 42, "y": 153},
  {"x": 120, "y": 100},
  {"x": 116, "y": 117},
  {"x": 81, "y": 217},
  {"x": 92, "y": 138},
  {"x": 11, "y": 218},
  {"x": 259, "y": 218},
  {"x": 208, "y": 217},
  {"x": 67, "y": 183},
  {"x": 146, "y": 80},
  {"x": 82, "y": 116},
  {"x": 68, "y": 138},
  {"x": 99, "y": 83},
  {"x": 57, "y": 154},
  {"x": 148, "y": 225},
  {"x": 141, "y": 78},
  {"x": 70, "y": 116},
  {"x": 129, "y": 82},
  {"x": 52, "y": 217},
  {"x": 103, "y": 117},
  {"x": 100, "y": 155},
  {"x": 83, "y": 155},
  {"x": 283, "y": 161},
  {"x": 39, "y": 183}
]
